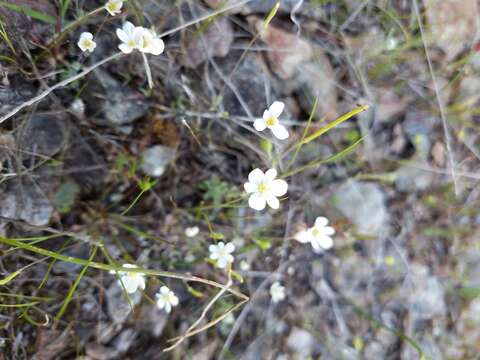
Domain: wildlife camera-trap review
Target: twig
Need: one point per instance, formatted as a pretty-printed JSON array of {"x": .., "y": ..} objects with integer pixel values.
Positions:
[
  {"x": 63, "y": 83},
  {"x": 439, "y": 101}
]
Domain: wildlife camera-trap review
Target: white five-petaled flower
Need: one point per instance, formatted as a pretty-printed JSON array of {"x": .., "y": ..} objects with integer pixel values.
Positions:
[
  {"x": 137, "y": 37},
  {"x": 86, "y": 43},
  {"x": 319, "y": 235},
  {"x": 270, "y": 120},
  {"x": 222, "y": 253},
  {"x": 166, "y": 298},
  {"x": 264, "y": 189},
  {"x": 130, "y": 37},
  {"x": 132, "y": 281},
  {"x": 114, "y": 7},
  {"x": 192, "y": 231},
  {"x": 277, "y": 292}
]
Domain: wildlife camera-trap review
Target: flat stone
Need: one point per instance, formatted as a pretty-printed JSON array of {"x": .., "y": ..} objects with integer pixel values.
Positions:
[
  {"x": 43, "y": 134},
  {"x": 113, "y": 104},
  {"x": 363, "y": 203},
  {"x": 25, "y": 200},
  {"x": 156, "y": 159}
]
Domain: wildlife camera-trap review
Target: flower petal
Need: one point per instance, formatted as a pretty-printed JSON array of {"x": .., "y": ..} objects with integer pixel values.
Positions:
[
  {"x": 276, "y": 108},
  {"x": 222, "y": 263},
  {"x": 122, "y": 35},
  {"x": 125, "y": 48},
  {"x": 259, "y": 124},
  {"x": 266, "y": 115},
  {"x": 328, "y": 230},
  {"x": 128, "y": 27},
  {"x": 230, "y": 247},
  {"x": 158, "y": 46},
  {"x": 321, "y": 221},
  {"x": 270, "y": 174},
  {"x": 278, "y": 187},
  {"x": 273, "y": 202},
  {"x": 174, "y": 300},
  {"x": 280, "y": 132},
  {"x": 325, "y": 242},
  {"x": 302, "y": 236},
  {"x": 257, "y": 202},
  {"x": 256, "y": 176},
  {"x": 249, "y": 187}
]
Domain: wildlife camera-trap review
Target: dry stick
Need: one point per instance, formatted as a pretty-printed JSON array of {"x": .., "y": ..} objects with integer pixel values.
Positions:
[
  {"x": 100, "y": 63},
  {"x": 202, "y": 316},
  {"x": 439, "y": 101}
]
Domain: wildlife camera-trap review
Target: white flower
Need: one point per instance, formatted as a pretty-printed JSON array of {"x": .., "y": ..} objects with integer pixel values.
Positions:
[
  {"x": 319, "y": 235},
  {"x": 86, "y": 43},
  {"x": 166, "y": 298},
  {"x": 132, "y": 281},
  {"x": 277, "y": 292},
  {"x": 114, "y": 7},
  {"x": 131, "y": 37},
  {"x": 222, "y": 254},
  {"x": 192, "y": 231},
  {"x": 264, "y": 189},
  {"x": 137, "y": 37},
  {"x": 150, "y": 43},
  {"x": 244, "y": 265},
  {"x": 270, "y": 120}
]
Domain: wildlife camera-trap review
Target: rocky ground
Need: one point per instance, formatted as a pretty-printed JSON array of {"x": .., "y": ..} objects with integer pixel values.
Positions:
[{"x": 402, "y": 280}]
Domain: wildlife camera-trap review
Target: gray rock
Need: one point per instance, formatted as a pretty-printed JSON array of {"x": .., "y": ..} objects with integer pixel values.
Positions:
[
  {"x": 248, "y": 82},
  {"x": 427, "y": 298},
  {"x": 44, "y": 134},
  {"x": 118, "y": 307},
  {"x": 409, "y": 178},
  {"x": 113, "y": 104},
  {"x": 25, "y": 200},
  {"x": 215, "y": 41},
  {"x": 374, "y": 350},
  {"x": 301, "y": 342},
  {"x": 14, "y": 94},
  {"x": 418, "y": 127},
  {"x": 364, "y": 205},
  {"x": 156, "y": 159}
]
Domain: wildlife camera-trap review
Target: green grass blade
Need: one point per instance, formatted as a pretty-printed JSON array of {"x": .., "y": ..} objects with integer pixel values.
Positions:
[
  {"x": 74, "y": 286},
  {"x": 334, "y": 123},
  {"x": 34, "y": 14},
  {"x": 315, "y": 163}
]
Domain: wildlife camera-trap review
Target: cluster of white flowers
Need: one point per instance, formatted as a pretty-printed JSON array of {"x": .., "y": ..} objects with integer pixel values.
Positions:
[
  {"x": 319, "y": 235},
  {"x": 132, "y": 37},
  {"x": 134, "y": 281},
  {"x": 139, "y": 38}
]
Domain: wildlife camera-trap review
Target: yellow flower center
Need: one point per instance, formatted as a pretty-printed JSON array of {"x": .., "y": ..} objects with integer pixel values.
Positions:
[
  {"x": 131, "y": 43},
  {"x": 262, "y": 188},
  {"x": 272, "y": 121},
  {"x": 315, "y": 232},
  {"x": 87, "y": 43}
]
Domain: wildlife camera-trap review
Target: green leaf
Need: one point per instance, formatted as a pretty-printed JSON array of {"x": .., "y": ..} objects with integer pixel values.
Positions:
[
  {"x": 65, "y": 197},
  {"x": 217, "y": 236},
  {"x": 263, "y": 243}
]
